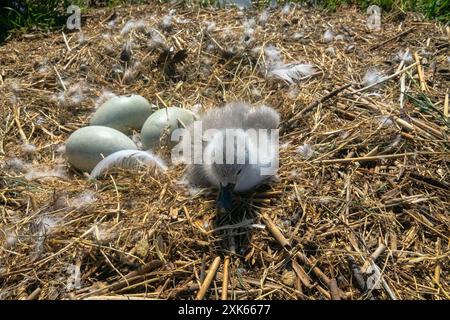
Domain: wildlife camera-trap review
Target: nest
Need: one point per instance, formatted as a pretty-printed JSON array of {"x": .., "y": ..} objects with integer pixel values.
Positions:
[{"x": 360, "y": 208}]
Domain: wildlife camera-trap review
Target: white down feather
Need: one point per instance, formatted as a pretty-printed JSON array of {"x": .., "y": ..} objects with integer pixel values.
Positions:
[{"x": 127, "y": 159}]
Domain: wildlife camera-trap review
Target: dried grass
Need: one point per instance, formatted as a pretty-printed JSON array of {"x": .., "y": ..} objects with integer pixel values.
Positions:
[{"x": 376, "y": 175}]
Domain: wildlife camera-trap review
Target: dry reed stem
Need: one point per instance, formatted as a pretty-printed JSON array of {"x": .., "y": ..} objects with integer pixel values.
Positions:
[
  {"x": 208, "y": 279},
  {"x": 225, "y": 278}
]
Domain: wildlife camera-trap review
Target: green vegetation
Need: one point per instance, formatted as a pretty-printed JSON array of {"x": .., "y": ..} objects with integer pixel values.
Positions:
[
  {"x": 49, "y": 14},
  {"x": 25, "y": 15},
  {"x": 431, "y": 9},
  {"x": 21, "y": 15}
]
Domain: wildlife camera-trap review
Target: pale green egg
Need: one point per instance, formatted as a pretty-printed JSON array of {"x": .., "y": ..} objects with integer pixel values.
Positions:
[
  {"x": 167, "y": 118},
  {"x": 123, "y": 113},
  {"x": 89, "y": 145}
]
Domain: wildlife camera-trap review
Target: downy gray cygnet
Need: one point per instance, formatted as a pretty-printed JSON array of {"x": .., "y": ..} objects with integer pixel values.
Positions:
[{"x": 236, "y": 160}]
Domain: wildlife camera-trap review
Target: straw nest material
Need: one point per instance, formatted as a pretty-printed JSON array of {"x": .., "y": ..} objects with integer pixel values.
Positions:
[{"x": 360, "y": 208}]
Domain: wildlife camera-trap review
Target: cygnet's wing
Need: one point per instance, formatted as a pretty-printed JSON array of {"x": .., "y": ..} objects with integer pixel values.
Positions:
[
  {"x": 249, "y": 179},
  {"x": 196, "y": 175},
  {"x": 229, "y": 116},
  {"x": 263, "y": 163},
  {"x": 261, "y": 118}
]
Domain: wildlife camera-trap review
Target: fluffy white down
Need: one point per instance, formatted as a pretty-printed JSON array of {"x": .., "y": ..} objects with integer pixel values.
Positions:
[
  {"x": 127, "y": 159},
  {"x": 290, "y": 72}
]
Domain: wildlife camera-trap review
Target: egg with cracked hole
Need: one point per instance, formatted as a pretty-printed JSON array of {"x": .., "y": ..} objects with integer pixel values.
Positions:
[
  {"x": 162, "y": 123},
  {"x": 89, "y": 145},
  {"x": 123, "y": 113}
]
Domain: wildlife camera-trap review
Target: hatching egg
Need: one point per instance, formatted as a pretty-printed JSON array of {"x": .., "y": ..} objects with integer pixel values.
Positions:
[
  {"x": 89, "y": 145},
  {"x": 167, "y": 118},
  {"x": 123, "y": 113}
]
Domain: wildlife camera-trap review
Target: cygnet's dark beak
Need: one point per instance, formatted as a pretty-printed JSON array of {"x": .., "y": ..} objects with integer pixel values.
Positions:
[{"x": 225, "y": 198}]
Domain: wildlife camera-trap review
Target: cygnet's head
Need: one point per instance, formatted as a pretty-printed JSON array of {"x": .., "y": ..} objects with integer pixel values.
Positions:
[{"x": 233, "y": 163}]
